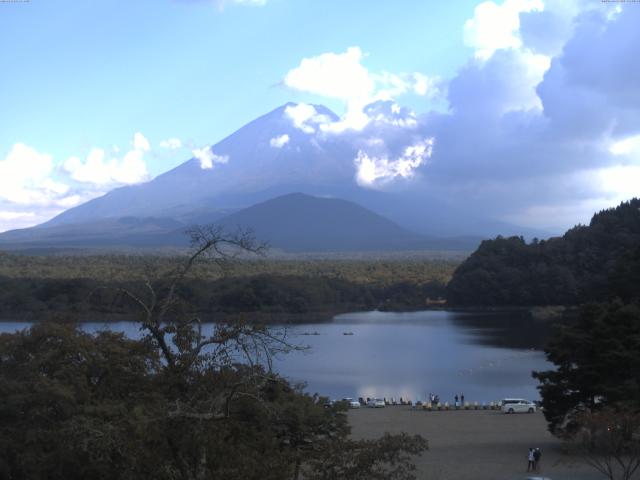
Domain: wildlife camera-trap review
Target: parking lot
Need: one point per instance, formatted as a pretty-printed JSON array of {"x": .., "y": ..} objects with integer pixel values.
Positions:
[{"x": 474, "y": 444}]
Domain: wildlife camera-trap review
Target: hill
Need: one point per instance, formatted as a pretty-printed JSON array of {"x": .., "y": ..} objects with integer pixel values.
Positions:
[
  {"x": 292, "y": 223},
  {"x": 596, "y": 262},
  {"x": 298, "y": 222}
]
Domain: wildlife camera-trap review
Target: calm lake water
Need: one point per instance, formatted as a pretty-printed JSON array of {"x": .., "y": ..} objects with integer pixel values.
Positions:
[{"x": 486, "y": 356}]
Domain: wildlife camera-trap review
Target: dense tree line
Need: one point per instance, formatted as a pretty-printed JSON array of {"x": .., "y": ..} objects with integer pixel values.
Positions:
[
  {"x": 266, "y": 295},
  {"x": 120, "y": 267},
  {"x": 595, "y": 262}
]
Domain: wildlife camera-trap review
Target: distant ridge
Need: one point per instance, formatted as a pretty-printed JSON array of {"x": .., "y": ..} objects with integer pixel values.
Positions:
[{"x": 293, "y": 222}]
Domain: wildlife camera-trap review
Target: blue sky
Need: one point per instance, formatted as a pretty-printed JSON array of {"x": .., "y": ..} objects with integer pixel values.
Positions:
[
  {"x": 94, "y": 73},
  {"x": 99, "y": 94}
]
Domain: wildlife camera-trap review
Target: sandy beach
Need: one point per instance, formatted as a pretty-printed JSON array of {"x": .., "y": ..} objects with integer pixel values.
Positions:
[{"x": 474, "y": 445}]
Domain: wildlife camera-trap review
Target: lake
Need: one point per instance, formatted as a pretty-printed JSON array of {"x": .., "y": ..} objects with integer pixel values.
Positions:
[{"x": 486, "y": 356}]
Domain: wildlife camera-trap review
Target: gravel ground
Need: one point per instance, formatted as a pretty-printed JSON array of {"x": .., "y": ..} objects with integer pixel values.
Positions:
[{"x": 474, "y": 445}]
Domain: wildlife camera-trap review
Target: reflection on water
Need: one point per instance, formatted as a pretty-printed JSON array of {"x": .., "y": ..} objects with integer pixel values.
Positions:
[
  {"x": 509, "y": 329},
  {"x": 485, "y": 356}
]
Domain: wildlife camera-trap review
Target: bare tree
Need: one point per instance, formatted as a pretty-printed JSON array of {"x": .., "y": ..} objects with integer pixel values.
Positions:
[
  {"x": 610, "y": 441},
  {"x": 178, "y": 333}
]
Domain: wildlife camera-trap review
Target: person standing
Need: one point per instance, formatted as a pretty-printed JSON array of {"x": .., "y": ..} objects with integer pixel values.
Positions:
[
  {"x": 537, "y": 455},
  {"x": 462, "y": 399},
  {"x": 456, "y": 401},
  {"x": 532, "y": 461}
]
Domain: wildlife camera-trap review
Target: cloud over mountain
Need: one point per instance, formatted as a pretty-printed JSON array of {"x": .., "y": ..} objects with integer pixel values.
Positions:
[
  {"x": 528, "y": 134},
  {"x": 540, "y": 125},
  {"x": 557, "y": 113}
]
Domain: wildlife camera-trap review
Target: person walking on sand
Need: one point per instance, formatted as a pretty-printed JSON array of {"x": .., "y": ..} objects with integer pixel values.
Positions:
[
  {"x": 532, "y": 461},
  {"x": 462, "y": 399},
  {"x": 537, "y": 455},
  {"x": 456, "y": 401}
]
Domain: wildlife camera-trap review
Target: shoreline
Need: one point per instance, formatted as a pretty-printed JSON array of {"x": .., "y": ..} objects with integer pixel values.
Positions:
[{"x": 548, "y": 313}]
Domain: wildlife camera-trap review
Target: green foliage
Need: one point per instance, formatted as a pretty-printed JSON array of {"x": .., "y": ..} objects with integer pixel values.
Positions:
[
  {"x": 597, "y": 365},
  {"x": 35, "y": 287},
  {"x": 595, "y": 262},
  {"x": 73, "y": 404},
  {"x": 78, "y": 406},
  {"x": 177, "y": 404}
]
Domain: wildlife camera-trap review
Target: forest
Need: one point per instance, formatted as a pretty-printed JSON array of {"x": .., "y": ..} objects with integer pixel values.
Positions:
[
  {"x": 86, "y": 287},
  {"x": 594, "y": 262}
]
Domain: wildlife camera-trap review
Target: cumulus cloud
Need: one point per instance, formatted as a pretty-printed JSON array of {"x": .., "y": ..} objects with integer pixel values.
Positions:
[
  {"x": 279, "y": 141},
  {"x": 333, "y": 75},
  {"x": 374, "y": 171},
  {"x": 207, "y": 158},
  {"x": 540, "y": 134},
  {"x": 141, "y": 143},
  {"x": 171, "y": 143},
  {"x": 497, "y": 26},
  {"x": 305, "y": 117},
  {"x": 98, "y": 169},
  {"x": 26, "y": 177},
  {"x": 342, "y": 76},
  {"x": 29, "y": 190},
  {"x": 389, "y": 112}
]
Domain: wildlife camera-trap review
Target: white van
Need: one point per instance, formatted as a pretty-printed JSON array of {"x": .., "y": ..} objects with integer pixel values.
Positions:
[{"x": 517, "y": 405}]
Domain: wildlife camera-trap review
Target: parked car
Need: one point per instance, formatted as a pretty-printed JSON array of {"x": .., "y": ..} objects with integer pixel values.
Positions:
[
  {"x": 376, "y": 403},
  {"x": 351, "y": 402},
  {"x": 518, "y": 405}
]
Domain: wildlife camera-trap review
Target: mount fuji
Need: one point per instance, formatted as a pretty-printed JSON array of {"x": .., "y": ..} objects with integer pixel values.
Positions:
[{"x": 275, "y": 155}]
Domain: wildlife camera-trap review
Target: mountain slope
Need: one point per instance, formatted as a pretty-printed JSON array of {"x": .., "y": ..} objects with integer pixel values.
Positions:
[
  {"x": 298, "y": 222},
  {"x": 293, "y": 223},
  {"x": 254, "y": 171},
  {"x": 270, "y": 156}
]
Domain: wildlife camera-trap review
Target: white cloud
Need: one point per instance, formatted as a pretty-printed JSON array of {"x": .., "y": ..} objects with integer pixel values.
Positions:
[
  {"x": 207, "y": 158},
  {"x": 6, "y": 215},
  {"x": 25, "y": 177},
  {"x": 279, "y": 141},
  {"x": 495, "y": 27},
  {"x": 98, "y": 170},
  {"x": 333, "y": 75},
  {"x": 342, "y": 76},
  {"x": 626, "y": 146},
  {"x": 374, "y": 171},
  {"x": 141, "y": 143},
  {"x": 305, "y": 117},
  {"x": 10, "y": 220},
  {"x": 171, "y": 143},
  {"x": 423, "y": 85},
  {"x": 29, "y": 193},
  {"x": 619, "y": 183},
  {"x": 391, "y": 85}
]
